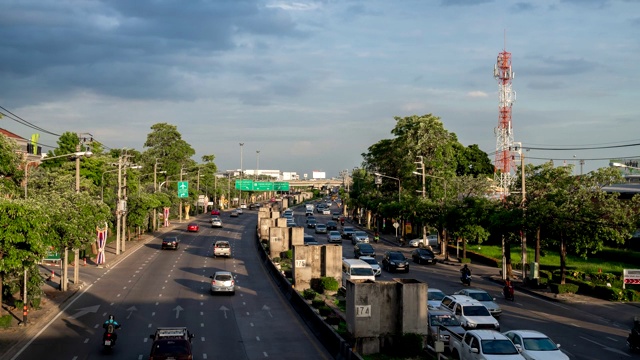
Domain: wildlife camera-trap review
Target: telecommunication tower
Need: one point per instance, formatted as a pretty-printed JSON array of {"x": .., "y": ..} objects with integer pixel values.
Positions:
[{"x": 505, "y": 146}]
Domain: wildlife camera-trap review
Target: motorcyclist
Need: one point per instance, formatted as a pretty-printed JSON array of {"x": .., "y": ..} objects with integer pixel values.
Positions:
[
  {"x": 376, "y": 237},
  {"x": 110, "y": 326},
  {"x": 634, "y": 336},
  {"x": 507, "y": 290},
  {"x": 465, "y": 272}
]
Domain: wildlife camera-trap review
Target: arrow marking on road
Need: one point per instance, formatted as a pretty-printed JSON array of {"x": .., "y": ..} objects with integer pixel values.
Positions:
[
  {"x": 177, "y": 309},
  {"x": 267, "y": 309},
  {"x": 131, "y": 310},
  {"x": 223, "y": 308},
  {"x": 606, "y": 348},
  {"x": 84, "y": 311}
]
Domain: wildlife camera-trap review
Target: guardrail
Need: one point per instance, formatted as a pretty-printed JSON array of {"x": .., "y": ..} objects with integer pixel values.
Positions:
[{"x": 332, "y": 341}]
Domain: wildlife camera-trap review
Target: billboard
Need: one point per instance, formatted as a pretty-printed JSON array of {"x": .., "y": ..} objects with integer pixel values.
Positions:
[{"x": 319, "y": 175}]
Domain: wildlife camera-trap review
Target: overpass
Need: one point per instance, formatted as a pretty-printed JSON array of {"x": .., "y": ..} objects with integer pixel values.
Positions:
[{"x": 315, "y": 183}]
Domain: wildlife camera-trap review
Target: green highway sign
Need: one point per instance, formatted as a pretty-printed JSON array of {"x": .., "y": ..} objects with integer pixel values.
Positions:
[
  {"x": 183, "y": 189},
  {"x": 250, "y": 185}
]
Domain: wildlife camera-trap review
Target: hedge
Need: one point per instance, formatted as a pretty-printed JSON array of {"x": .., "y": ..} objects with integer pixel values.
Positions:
[
  {"x": 5, "y": 321},
  {"x": 563, "y": 288}
]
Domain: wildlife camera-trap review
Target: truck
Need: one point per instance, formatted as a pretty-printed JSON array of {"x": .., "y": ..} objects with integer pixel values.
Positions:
[
  {"x": 309, "y": 210},
  {"x": 482, "y": 345}
]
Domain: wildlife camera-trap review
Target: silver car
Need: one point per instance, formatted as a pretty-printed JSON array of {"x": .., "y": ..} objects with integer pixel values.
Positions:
[
  {"x": 484, "y": 298},
  {"x": 216, "y": 221},
  {"x": 222, "y": 282},
  {"x": 359, "y": 237},
  {"x": 377, "y": 271},
  {"x": 334, "y": 236},
  {"x": 221, "y": 248}
]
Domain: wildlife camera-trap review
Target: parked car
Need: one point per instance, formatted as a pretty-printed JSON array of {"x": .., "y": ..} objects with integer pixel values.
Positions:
[
  {"x": 222, "y": 282},
  {"x": 439, "y": 318},
  {"x": 171, "y": 242},
  {"x": 432, "y": 240},
  {"x": 234, "y": 213},
  {"x": 423, "y": 256},
  {"x": 243, "y": 206},
  {"x": 216, "y": 221},
  {"x": 434, "y": 298},
  {"x": 395, "y": 261},
  {"x": 363, "y": 249},
  {"x": 310, "y": 240},
  {"x": 321, "y": 229},
  {"x": 347, "y": 232},
  {"x": 332, "y": 225},
  {"x": 221, "y": 248},
  {"x": 334, "y": 236},
  {"x": 359, "y": 237},
  {"x": 377, "y": 271},
  {"x": 193, "y": 227},
  {"x": 535, "y": 345},
  {"x": 484, "y": 298}
]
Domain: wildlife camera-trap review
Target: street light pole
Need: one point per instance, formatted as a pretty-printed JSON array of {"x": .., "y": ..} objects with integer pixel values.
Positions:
[
  {"x": 241, "y": 175},
  {"x": 257, "y": 163}
]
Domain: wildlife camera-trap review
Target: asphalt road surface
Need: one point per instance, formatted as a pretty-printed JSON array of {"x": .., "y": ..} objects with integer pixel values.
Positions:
[{"x": 151, "y": 288}]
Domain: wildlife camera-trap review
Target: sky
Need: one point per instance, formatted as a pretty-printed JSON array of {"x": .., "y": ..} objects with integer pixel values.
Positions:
[{"x": 311, "y": 84}]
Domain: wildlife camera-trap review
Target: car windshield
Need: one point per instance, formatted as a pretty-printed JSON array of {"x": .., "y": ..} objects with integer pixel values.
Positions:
[
  {"x": 371, "y": 261},
  {"x": 171, "y": 347},
  {"x": 170, "y": 239},
  {"x": 334, "y": 233},
  {"x": 361, "y": 234},
  {"x": 435, "y": 295},
  {"x": 445, "y": 320},
  {"x": 348, "y": 229},
  {"x": 396, "y": 256},
  {"x": 309, "y": 239},
  {"x": 332, "y": 223},
  {"x": 498, "y": 347},
  {"x": 366, "y": 247},
  {"x": 362, "y": 271},
  {"x": 320, "y": 226},
  {"x": 474, "y": 310},
  {"x": 539, "y": 344},
  {"x": 425, "y": 252},
  {"x": 481, "y": 296}
]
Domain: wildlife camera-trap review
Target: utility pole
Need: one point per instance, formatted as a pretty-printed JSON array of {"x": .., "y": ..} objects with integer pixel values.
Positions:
[
  {"x": 118, "y": 205},
  {"x": 155, "y": 188},
  {"x": 241, "y": 175},
  {"x": 420, "y": 162},
  {"x": 198, "y": 192},
  {"x": 124, "y": 211},
  {"x": 257, "y": 163},
  {"x": 181, "y": 167},
  {"x": 523, "y": 234}
]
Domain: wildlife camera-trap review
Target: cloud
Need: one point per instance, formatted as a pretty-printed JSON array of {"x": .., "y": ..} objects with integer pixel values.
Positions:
[
  {"x": 293, "y": 6},
  {"x": 477, "y": 94}
]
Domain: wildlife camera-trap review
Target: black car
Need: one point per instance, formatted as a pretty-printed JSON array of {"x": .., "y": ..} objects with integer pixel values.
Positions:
[
  {"x": 347, "y": 232},
  {"x": 171, "y": 343},
  {"x": 310, "y": 240},
  {"x": 332, "y": 225},
  {"x": 395, "y": 261},
  {"x": 363, "y": 249},
  {"x": 170, "y": 243},
  {"x": 423, "y": 256},
  {"x": 311, "y": 223}
]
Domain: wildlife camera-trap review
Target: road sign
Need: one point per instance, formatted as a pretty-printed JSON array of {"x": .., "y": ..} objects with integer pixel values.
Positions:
[
  {"x": 250, "y": 185},
  {"x": 245, "y": 185},
  {"x": 183, "y": 189},
  {"x": 631, "y": 276},
  {"x": 281, "y": 186}
]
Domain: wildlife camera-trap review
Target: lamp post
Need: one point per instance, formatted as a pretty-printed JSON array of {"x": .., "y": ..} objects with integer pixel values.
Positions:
[
  {"x": 241, "y": 175},
  {"x": 257, "y": 163},
  {"x": 392, "y": 178}
]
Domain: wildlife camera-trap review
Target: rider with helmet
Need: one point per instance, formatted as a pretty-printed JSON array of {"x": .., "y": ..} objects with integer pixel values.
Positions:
[{"x": 110, "y": 327}]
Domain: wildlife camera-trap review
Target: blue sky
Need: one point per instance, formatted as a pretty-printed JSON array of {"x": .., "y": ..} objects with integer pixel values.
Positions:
[{"x": 312, "y": 84}]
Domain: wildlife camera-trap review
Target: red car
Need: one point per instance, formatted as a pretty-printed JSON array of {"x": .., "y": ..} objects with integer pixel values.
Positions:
[
  {"x": 193, "y": 227},
  {"x": 215, "y": 212}
]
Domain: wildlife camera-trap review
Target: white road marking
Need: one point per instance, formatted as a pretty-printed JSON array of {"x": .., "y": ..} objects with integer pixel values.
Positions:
[
  {"x": 612, "y": 339},
  {"x": 145, "y": 339},
  {"x": 204, "y": 355},
  {"x": 95, "y": 327},
  {"x": 202, "y": 339},
  {"x": 153, "y": 313},
  {"x": 157, "y": 303},
  {"x": 251, "y": 324},
  {"x": 124, "y": 288},
  {"x": 149, "y": 325},
  {"x": 201, "y": 324},
  {"x": 86, "y": 340},
  {"x": 258, "y": 338},
  {"x": 265, "y": 354}
]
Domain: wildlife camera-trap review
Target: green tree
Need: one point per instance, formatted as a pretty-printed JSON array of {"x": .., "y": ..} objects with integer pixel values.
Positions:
[
  {"x": 165, "y": 145},
  {"x": 11, "y": 174}
]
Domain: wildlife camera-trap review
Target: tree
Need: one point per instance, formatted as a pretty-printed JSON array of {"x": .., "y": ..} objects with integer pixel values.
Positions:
[
  {"x": 11, "y": 174},
  {"x": 165, "y": 145}
]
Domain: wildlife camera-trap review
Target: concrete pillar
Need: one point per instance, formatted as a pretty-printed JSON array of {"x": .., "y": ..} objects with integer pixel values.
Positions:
[
  {"x": 277, "y": 245},
  {"x": 412, "y": 295},
  {"x": 332, "y": 262}
]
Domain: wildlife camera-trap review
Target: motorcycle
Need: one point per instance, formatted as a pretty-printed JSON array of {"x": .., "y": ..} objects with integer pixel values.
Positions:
[
  {"x": 633, "y": 341},
  {"x": 508, "y": 292},
  {"x": 466, "y": 279},
  {"x": 109, "y": 337},
  {"x": 376, "y": 238}
]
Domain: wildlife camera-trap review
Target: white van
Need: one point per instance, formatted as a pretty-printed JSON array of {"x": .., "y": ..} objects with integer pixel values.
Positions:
[{"x": 356, "y": 269}]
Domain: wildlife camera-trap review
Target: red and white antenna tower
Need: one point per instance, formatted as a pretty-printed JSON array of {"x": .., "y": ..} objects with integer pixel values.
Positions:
[{"x": 505, "y": 146}]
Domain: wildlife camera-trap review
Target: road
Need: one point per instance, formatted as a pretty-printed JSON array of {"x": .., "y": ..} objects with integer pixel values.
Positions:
[
  {"x": 589, "y": 331},
  {"x": 153, "y": 287}
]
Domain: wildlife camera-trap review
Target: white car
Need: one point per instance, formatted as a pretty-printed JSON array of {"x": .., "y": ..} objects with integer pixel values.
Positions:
[
  {"x": 216, "y": 221},
  {"x": 326, "y": 211},
  {"x": 334, "y": 236},
  {"x": 377, "y": 271},
  {"x": 484, "y": 298},
  {"x": 434, "y": 298},
  {"x": 239, "y": 211},
  {"x": 432, "y": 240},
  {"x": 535, "y": 345}
]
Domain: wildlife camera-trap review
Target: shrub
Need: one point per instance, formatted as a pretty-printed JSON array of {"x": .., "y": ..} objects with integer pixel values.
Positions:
[
  {"x": 465, "y": 261},
  {"x": 341, "y": 304},
  {"x": 309, "y": 294},
  {"x": 546, "y": 274},
  {"x": 287, "y": 254},
  {"x": 563, "y": 288},
  {"x": 325, "y": 310},
  {"x": 5, "y": 321},
  {"x": 18, "y": 304},
  {"x": 317, "y": 303},
  {"x": 35, "y": 303},
  {"x": 329, "y": 283},
  {"x": 275, "y": 259}
]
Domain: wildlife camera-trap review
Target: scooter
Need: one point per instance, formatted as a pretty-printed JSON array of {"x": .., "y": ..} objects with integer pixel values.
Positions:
[
  {"x": 508, "y": 292},
  {"x": 109, "y": 338},
  {"x": 466, "y": 279},
  {"x": 633, "y": 341}
]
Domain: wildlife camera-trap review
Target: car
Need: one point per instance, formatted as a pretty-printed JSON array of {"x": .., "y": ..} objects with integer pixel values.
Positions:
[
  {"x": 377, "y": 271},
  {"x": 255, "y": 206},
  {"x": 308, "y": 212},
  {"x": 335, "y": 216},
  {"x": 310, "y": 240},
  {"x": 347, "y": 232},
  {"x": 221, "y": 248},
  {"x": 395, "y": 261},
  {"x": 311, "y": 223},
  {"x": 216, "y": 221},
  {"x": 363, "y": 249},
  {"x": 423, "y": 256},
  {"x": 319, "y": 208},
  {"x": 321, "y": 229},
  {"x": 334, "y": 236},
  {"x": 470, "y": 312},
  {"x": 215, "y": 212},
  {"x": 170, "y": 242},
  {"x": 332, "y": 225},
  {"x": 359, "y": 237},
  {"x": 432, "y": 240},
  {"x": 291, "y": 222},
  {"x": 535, "y": 345},
  {"x": 193, "y": 227},
  {"x": 434, "y": 298},
  {"x": 240, "y": 211},
  {"x": 326, "y": 211},
  {"x": 243, "y": 206},
  {"x": 234, "y": 213},
  {"x": 288, "y": 213},
  {"x": 222, "y": 282},
  {"x": 171, "y": 343},
  {"x": 439, "y": 318},
  {"x": 484, "y": 298}
]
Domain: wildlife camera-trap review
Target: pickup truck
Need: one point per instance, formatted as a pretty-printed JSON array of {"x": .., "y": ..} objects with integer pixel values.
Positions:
[{"x": 482, "y": 345}]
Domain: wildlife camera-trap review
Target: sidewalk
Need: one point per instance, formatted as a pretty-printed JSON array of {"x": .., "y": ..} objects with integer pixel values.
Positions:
[{"x": 53, "y": 300}]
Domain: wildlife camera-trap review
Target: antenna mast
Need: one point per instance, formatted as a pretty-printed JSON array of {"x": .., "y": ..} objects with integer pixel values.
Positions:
[{"x": 505, "y": 149}]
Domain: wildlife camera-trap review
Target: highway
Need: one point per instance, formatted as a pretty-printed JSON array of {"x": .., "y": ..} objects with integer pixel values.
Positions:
[
  {"x": 589, "y": 331},
  {"x": 153, "y": 288}
]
